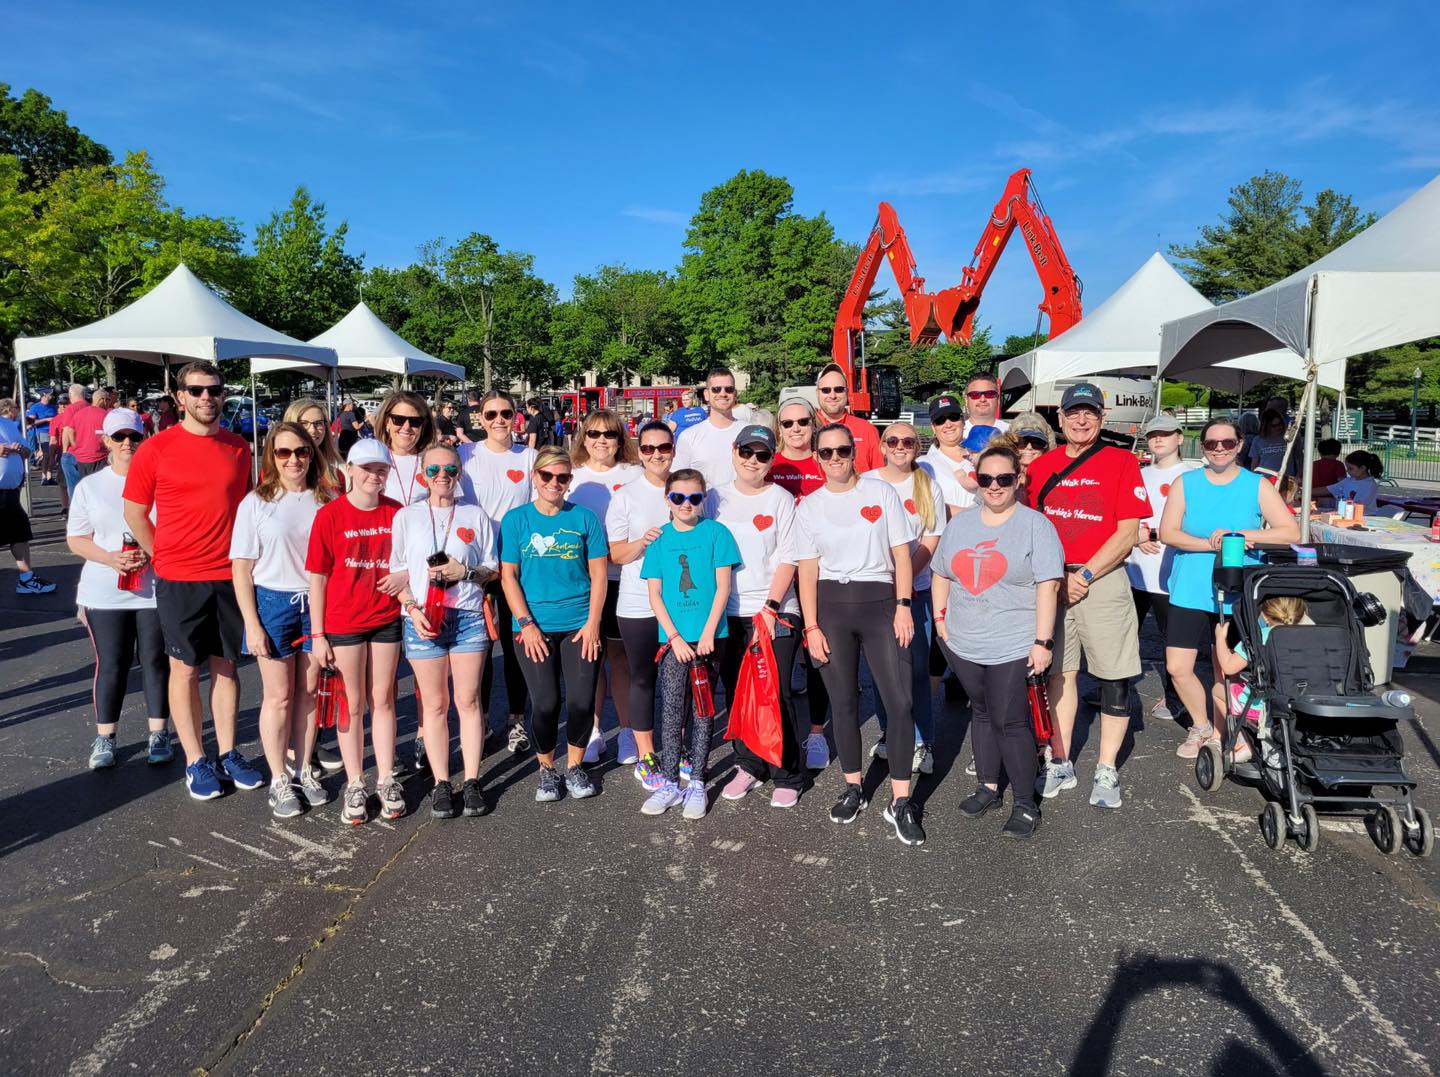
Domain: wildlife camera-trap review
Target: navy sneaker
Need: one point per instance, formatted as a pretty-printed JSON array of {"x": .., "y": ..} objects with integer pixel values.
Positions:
[
  {"x": 202, "y": 781},
  {"x": 236, "y": 768}
]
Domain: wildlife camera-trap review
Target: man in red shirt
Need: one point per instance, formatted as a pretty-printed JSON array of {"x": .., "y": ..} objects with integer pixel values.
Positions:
[
  {"x": 84, "y": 435},
  {"x": 1095, "y": 497},
  {"x": 195, "y": 475},
  {"x": 58, "y": 426},
  {"x": 833, "y": 394}
]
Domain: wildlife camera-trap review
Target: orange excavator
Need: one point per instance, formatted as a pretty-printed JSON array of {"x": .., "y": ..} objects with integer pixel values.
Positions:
[{"x": 950, "y": 312}]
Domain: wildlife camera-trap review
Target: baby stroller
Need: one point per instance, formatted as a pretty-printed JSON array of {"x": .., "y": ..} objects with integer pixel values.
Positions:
[{"x": 1323, "y": 739}]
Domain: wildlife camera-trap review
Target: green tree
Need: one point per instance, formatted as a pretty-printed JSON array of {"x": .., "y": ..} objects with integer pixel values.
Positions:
[
  {"x": 1387, "y": 378},
  {"x": 1019, "y": 345},
  {"x": 619, "y": 322},
  {"x": 302, "y": 279},
  {"x": 43, "y": 140}
]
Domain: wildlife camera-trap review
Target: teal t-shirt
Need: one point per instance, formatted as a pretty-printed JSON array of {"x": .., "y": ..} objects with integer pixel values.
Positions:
[
  {"x": 685, "y": 562},
  {"x": 554, "y": 554}
]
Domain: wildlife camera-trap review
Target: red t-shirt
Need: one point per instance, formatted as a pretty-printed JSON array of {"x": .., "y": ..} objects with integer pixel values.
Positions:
[
  {"x": 88, "y": 422},
  {"x": 1328, "y": 470},
  {"x": 195, "y": 484},
  {"x": 62, "y": 420},
  {"x": 867, "y": 440},
  {"x": 1090, "y": 502},
  {"x": 352, "y": 547},
  {"x": 797, "y": 477}
]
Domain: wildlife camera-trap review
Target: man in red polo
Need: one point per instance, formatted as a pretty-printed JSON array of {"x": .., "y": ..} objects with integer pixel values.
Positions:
[{"x": 832, "y": 392}]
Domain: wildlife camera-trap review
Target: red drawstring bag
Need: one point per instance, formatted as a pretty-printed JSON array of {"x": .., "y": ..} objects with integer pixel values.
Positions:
[{"x": 755, "y": 717}]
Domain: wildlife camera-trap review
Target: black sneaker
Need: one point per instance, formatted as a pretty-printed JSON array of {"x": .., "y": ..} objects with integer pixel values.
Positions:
[
  {"x": 442, "y": 801},
  {"x": 901, "y": 814},
  {"x": 1022, "y": 823},
  {"x": 850, "y": 804},
  {"x": 980, "y": 801},
  {"x": 475, "y": 803},
  {"x": 328, "y": 758}
]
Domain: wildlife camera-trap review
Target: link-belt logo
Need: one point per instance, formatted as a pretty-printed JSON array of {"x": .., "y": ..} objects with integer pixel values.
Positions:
[{"x": 1029, "y": 231}]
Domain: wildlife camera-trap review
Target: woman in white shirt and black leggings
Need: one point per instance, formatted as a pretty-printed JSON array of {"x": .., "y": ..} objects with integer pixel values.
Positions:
[{"x": 853, "y": 548}]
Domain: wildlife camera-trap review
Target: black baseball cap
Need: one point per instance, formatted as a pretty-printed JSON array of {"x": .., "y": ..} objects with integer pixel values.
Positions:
[
  {"x": 946, "y": 404},
  {"x": 756, "y": 434},
  {"x": 1082, "y": 395}
]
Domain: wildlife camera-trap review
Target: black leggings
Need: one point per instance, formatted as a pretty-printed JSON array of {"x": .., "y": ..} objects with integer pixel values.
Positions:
[
  {"x": 677, "y": 710},
  {"x": 117, "y": 636},
  {"x": 514, "y": 678},
  {"x": 793, "y": 730},
  {"x": 642, "y": 640},
  {"x": 856, "y": 617},
  {"x": 1000, "y": 728},
  {"x": 1159, "y": 605},
  {"x": 543, "y": 679}
]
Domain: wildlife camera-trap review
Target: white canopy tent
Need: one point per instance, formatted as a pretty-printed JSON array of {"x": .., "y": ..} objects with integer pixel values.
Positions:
[{"x": 366, "y": 346}]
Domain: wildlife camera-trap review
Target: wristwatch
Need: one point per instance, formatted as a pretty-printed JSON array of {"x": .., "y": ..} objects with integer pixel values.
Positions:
[
  {"x": 1085, "y": 574},
  {"x": 1048, "y": 644},
  {"x": 522, "y": 623},
  {"x": 903, "y": 602},
  {"x": 772, "y": 604},
  {"x": 407, "y": 607}
]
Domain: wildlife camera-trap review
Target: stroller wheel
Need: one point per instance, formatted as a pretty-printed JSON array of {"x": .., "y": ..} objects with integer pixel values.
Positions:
[
  {"x": 1272, "y": 824},
  {"x": 1209, "y": 773},
  {"x": 1420, "y": 841},
  {"x": 1384, "y": 828},
  {"x": 1308, "y": 835}
]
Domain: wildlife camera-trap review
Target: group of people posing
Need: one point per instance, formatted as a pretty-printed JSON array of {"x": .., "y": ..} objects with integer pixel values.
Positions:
[{"x": 642, "y": 568}]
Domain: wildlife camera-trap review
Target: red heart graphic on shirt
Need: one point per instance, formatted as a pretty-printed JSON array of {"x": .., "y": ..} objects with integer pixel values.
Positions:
[
  {"x": 762, "y": 523},
  {"x": 980, "y": 568},
  {"x": 617, "y": 486},
  {"x": 871, "y": 512},
  {"x": 910, "y": 506},
  {"x": 515, "y": 476},
  {"x": 1164, "y": 489},
  {"x": 465, "y": 534}
]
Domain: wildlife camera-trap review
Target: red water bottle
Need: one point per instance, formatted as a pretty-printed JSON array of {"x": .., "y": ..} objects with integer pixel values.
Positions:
[
  {"x": 1039, "y": 709},
  {"x": 700, "y": 689},
  {"x": 332, "y": 709},
  {"x": 435, "y": 606},
  {"x": 130, "y": 581}
]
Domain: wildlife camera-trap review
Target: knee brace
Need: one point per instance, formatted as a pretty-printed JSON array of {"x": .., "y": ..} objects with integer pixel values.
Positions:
[{"x": 1114, "y": 697}]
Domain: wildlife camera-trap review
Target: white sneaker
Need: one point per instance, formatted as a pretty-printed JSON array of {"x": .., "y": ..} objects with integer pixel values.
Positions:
[
  {"x": 662, "y": 800},
  {"x": 924, "y": 760},
  {"x": 596, "y": 748},
  {"x": 696, "y": 802},
  {"x": 1161, "y": 711},
  {"x": 1055, "y": 777},
  {"x": 627, "y": 752},
  {"x": 817, "y": 752},
  {"x": 878, "y": 750}
]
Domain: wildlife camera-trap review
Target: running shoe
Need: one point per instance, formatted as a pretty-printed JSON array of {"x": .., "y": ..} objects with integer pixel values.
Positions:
[
  {"x": 687, "y": 769},
  {"x": 738, "y": 786},
  {"x": 392, "y": 799},
  {"x": 235, "y": 768},
  {"x": 924, "y": 760},
  {"x": 1055, "y": 777},
  {"x": 35, "y": 585},
  {"x": 626, "y": 750},
  {"x": 695, "y": 801},
  {"x": 442, "y": 801},
  {"x": 817, "y": 752},
  {"x": 647, "y": 772},
  {"x": 878, "y": 750},
  {"x": 1162, "y": 712},
  {"x": 422, "y": 761},
  {"x": 517, "y": 740},
  {"x": 1105, "y": 793},
  {"x": 1198, "y": 735},
  {"x": 905, "y": 818},
  {"x": 851, "y": 803},
  {"x": 313, "y": 793},
  {"x": 1022, "y": 823},
  {"x": 970, "y": 767},
  {"x": 474, "y": 799},
  {"x": 357, "y": 803},
  {"x": 578, "y": 784},
  {"x": 201, "y": 780},
  {"x": 328, "y": 758},
  {"x": 102, "y": 753},
  {"x": 784, "y": 798},
  {"x": 663, "y": 799},
  {"x": 548, "y": 790},
  {"x": 1243, "y": 752},
  {"x": 595, "y": 748},
  {"x": 980, "y": 801},
  {"x": 284, "y": 804},
  {"x": 158, "y": 749}
]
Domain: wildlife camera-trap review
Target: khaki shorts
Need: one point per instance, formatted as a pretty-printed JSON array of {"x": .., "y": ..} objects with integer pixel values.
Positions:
[{"x": 1104, "y": 626}]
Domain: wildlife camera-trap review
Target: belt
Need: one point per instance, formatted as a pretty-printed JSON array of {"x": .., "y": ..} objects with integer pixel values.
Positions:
[{"x": 1073, "y": 568}]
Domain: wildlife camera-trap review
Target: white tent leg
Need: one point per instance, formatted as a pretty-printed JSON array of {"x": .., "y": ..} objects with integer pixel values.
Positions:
[
  {"x": 254, "y": 432},
  {"x": 1311, "y": 392}
]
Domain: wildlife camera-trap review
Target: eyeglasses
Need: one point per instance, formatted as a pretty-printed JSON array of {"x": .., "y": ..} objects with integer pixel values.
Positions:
[
  {"x": 561, "y": 478},
  {"x": 945, "y": 419},
  {"x": 609, "y": 435},
  {"x": 722, "y": 390},
  {"x": 786, "y": 424},
  {"x": 505, "y": 413},
  {"x": 212, "y": 391},
  {"x": 747, "y": 453},
  {"x": 900, "y": 443},
  {"x": 299, "y": 454},
  {"x": 664, "y": 449},
  {"x": 680, "y": 499},
  {"x": 314, "y": 424},
  {"x": 844, "y": 452},
  {"x": 134, "y": 437},
  {"x": 1003, "y": 481},
  {"x": 982, "y": 394},
  {"x": 1220, "y": 444},
  {"x": 414, "y": 422},
  {"x": 433, "y": 470},
  {"x": 830, "y": 390}
]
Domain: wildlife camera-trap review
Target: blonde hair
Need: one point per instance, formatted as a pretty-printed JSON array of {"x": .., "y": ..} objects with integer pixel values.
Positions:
[
  {"x": 549, "y": 456},
  {"x": 333, "y": 466},
  {"x": 603, "y": 419},
  {"x": 924, "y": 483},
  {"x": 1284, "y": 610}
]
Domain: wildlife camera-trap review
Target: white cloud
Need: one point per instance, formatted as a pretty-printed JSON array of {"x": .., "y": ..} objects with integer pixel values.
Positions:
[{"x": 655, "y": 215}]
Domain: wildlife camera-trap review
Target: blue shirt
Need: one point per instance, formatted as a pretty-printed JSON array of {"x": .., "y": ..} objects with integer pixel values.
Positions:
[
  {"x": 41, "y": 413},
  {"x": 12, "y": 465},
  {"x": 685, "y": 562},
  {"x": 554, "y": 555},
  {"x": 1235, "y": 506},
  {"x": 685, "y": 418}
]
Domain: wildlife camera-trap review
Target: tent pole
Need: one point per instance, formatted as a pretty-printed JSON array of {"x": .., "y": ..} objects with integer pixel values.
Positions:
[
  {"x": 254, "y": 432},
  {"x": 1312, "y": 380}
]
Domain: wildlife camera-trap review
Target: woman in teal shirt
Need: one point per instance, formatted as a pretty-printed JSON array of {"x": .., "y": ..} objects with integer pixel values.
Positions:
[{"x": 552, "y": 567}]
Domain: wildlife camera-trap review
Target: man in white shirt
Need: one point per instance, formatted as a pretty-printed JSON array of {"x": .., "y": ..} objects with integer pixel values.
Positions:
[
  {"x": 706, "y": 446},
  {"x": 982, "y": 396}
]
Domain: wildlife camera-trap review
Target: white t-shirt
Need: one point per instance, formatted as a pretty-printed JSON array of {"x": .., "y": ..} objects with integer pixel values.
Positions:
[
  {"x": 463, "y": 531},
  {"x": 942, "y": 469},
  {"x": 1149, "y": 571},
  {"x": 97, "y": 508},
  {"x": 706, "y": 447},
  {"x": 496, "y": 481},
  {"x": 1361, "y": 491},
  {"x": 763, "y": 525},
  {"x": 906, "y": 492},
  {"x": 636, "y": 508},
  {"x": 405, "y": 483},
  {"x": 595, "y": 489},
  {"x": 999, "y": 424},
  {"x": 853, "y": 533},
  {"x": 276, "y": 536}
]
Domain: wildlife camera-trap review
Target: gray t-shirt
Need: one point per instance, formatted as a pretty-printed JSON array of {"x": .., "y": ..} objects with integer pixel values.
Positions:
[{"x": 990, "y": 614}]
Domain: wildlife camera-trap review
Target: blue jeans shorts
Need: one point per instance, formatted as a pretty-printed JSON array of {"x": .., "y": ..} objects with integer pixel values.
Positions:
[
  {"x": 285, "y": 616},
  {"x": 464, "y": 632}
]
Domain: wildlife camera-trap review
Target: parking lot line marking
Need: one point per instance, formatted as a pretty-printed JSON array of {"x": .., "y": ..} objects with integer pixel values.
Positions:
[{"x": 248, "y": 848}]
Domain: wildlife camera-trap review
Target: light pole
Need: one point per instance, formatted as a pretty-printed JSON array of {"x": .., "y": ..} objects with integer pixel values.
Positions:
[{"x": 1415, "y": 412}]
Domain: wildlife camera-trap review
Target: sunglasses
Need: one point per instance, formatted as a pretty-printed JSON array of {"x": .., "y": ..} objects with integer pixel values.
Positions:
[
  {"x": 680, "y": 499},
  {"x": 1220, "y": 444},
  {"x": 299, "y": 454},
  {"x": 213, "y": 391},
  {"x": 983, "y": 394},
  {"x": 786, "y": 424},
  {"x": 1035, "y": 443},
  {"x": 747, "y": 453},
  {"x": 722, "y": 390},
  {"x": 414, "y": 422},
  {"x": 900, "y": 443},
  {"x": 561, "y": 478},
  {"x": 664, "y": 449},
  {"x": 132, "y": 436},
  {"x": 433, "y": 470},
  {"x": 844, "y": 452},
  {"x": 1003, "y": 481},
  {"x": 944, "y": 420},
  {"x": 830, "y": 390},
  {"x": 610, "y": 435},
  {"x": 506, "y": 413}
]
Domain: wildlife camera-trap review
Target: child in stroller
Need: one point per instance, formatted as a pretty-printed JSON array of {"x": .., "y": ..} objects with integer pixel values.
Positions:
[{"x": 1232, "y": 695}]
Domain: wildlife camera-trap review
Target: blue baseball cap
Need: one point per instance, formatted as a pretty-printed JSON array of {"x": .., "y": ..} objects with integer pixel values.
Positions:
[
  {"x": 978, "y": 438},
  {"x": 1082, "y": 395}
]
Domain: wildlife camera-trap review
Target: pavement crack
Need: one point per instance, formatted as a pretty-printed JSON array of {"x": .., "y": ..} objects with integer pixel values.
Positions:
[{"x": 13, "y": 957}]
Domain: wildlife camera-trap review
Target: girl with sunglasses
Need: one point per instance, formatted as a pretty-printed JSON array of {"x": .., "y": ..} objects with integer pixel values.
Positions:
[
  {"x": 1205, "y": 505},
  {"x": 997, "y": 588},
  {"x": 310, "y": 414},
  {"x": 552, "y": 565},
  {"x": 853, "y": 545},
  {"x": 406, "y": 427},
  {"x": 687, "y": 570},
  {"x": 605, "y": 460},
  {"x": 267, "y": 556},
  {"x": 495, "y": 474}
]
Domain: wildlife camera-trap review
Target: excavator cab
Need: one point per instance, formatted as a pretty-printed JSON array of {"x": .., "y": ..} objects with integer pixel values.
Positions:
[{"x": 885, "y": 396}]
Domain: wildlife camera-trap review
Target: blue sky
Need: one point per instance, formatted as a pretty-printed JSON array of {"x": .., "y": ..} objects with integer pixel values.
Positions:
[{"x": 586, "y": 133}]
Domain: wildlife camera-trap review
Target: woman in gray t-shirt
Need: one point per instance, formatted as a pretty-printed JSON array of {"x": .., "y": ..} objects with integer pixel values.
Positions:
[{"x": 996, "y": 585}]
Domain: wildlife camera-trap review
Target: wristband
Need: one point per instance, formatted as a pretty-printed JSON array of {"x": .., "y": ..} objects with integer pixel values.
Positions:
[
  {"x": 1048, "y": 644},
  {"x": 317, "y": 635},
  {"x": 812, "y": 628},
  {"x": 940, "y": 615},
  {"x": 672, "y": 637}
]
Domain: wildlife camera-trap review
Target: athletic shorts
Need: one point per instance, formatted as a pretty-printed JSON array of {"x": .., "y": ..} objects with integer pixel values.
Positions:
[
  {"x": 199, "y": 619},
  {"x": 389, "y": 632},
  {"x": 1103, "y": 626},
  {"x": 463, "y": 632},
  {"x": 609, "y": 624},
  {"x": 285, "y": 617},
  {"x": 1190, "y": 629},
  {"x": 14, "y": 524}
]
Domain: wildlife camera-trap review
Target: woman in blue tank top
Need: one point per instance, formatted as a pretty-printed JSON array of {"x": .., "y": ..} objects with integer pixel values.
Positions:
[{"x": 1206, "y": 504}]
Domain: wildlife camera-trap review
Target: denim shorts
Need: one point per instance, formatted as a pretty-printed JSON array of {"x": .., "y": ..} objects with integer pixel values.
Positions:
[
  {"x": 285, "y": 616},
  {"x": 464, "y": 632}
]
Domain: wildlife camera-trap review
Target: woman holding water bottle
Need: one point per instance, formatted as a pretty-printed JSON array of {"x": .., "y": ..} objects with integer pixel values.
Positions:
[{"x": 116, "y": 597}]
